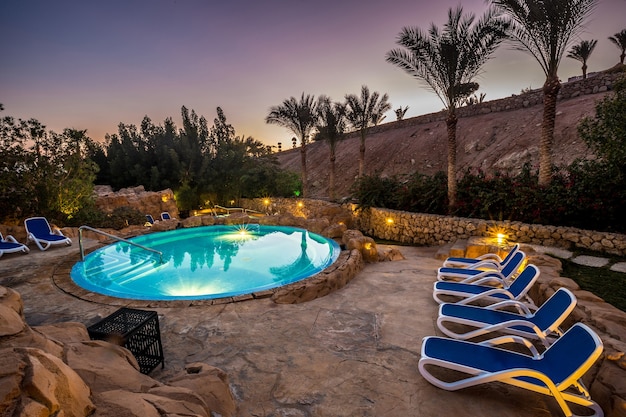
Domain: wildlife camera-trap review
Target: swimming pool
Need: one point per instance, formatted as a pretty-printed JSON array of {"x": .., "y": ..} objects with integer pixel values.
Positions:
[{"x": 205, "y": 262}]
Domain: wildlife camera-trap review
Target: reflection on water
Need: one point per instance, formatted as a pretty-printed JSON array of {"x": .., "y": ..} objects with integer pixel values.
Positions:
[{"x": 206, "y": 262}]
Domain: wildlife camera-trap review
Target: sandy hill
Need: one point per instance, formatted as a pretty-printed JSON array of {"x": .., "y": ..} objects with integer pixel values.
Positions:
[{"x": 504, "y": 140}]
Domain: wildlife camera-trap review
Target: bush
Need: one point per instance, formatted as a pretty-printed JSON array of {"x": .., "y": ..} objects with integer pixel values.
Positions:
[
  {"x": 376, "y": 191},
  {"x": 587, "y": 195},
  {"x": 119, "y": 218}
]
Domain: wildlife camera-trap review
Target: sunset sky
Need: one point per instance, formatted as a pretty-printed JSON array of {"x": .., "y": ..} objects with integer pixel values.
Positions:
[{"x": 93, "y": 64}]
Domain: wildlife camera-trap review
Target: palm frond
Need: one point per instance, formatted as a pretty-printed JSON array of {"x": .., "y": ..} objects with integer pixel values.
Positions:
[{"x": 545, "y": 28}]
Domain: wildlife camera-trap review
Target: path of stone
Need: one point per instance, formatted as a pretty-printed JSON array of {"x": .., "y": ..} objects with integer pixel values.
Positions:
[
  {"x": 351, "y": 353},
  {"x": 594, "y": 261}
]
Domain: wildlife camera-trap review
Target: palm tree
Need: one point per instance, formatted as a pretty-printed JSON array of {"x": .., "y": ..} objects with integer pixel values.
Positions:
[
  {"x": 362, "y": 113},
  {"x": 581, "y": 52},
  {"x": 400, "y": 112},
  {"x": 619, "y": 39},
  {"x": 299, "y": 117},
  {"x": 331, "y": 126},
  {"x": 544, "y": 28},
  {"x": 447, "y": 61}
]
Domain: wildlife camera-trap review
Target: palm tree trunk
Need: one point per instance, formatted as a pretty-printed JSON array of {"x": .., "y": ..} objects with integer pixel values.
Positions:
[
  {"x": 362, "y": 155},
  {"x": 550, "y": 92},
  {"x": 584, "y": 71},
  {"x": 451, "y": 122},
  {"x": 331, "y": 179},
  {"x": 305, "y": 190}
]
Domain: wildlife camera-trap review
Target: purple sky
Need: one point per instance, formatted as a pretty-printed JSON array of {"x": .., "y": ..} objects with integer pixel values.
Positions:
[{"x": 93, "y": 64}]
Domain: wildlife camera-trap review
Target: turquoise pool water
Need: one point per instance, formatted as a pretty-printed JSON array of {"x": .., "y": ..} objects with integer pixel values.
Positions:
[{"x": 205, "y": 262}]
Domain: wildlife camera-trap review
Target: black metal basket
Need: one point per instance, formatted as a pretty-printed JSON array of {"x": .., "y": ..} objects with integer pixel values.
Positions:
[{"x": 136, "y": 330}]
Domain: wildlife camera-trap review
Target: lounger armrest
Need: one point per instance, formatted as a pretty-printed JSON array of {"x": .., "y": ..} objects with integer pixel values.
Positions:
[
  {"x": 58, "y": 232},
  {"x": 486, "y": 294},
  {"x": 513, "y": 339},
  {"x": 487, "y": 280},
  {"x": 490, "y": 257},
  {"x": 486, "y": 264},
  {"x": 484, "y": 274},
  {"x": 523, "y": 308},
  {"x": 9, "y": 238}
]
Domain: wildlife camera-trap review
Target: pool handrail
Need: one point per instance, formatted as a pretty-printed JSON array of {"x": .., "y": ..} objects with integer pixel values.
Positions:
[{"x": 121, "y": 239}]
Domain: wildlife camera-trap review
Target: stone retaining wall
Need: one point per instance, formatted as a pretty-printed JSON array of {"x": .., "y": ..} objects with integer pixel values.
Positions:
[{"x": 434, "y": 230}]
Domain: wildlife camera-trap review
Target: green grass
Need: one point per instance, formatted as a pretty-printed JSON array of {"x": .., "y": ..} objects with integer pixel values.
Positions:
[{"x": 607, "y": 284}]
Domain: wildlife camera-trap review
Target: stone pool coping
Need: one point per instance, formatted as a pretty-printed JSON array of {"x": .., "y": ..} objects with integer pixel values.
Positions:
[{"x": 336, "y": 276}]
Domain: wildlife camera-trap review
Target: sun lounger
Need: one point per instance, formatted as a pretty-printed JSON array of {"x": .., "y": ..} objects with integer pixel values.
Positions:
[
  {"x": 505, "y": 276},
  {"x": 39, "y": 231},
  {"x": 556, "y": 372},
  {"x": 487, "y": 261},
  {"x": 9, "y": 244},
  {"x": 542, "y": 324},
  {"x": 471, "y": 293}
]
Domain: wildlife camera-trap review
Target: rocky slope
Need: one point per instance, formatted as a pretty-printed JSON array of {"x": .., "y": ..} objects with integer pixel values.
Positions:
[{"x": 504, "y": 140}]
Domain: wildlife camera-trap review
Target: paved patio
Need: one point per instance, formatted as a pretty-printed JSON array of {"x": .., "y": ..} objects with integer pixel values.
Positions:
[{"x": 351, "y": 353}]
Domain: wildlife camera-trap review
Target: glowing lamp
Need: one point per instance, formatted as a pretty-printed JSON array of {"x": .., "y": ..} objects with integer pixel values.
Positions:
[
  {"x": 389, "y": 220},
  {"x": 300, "y": 204},
  {"x": 164, "y": 198},
  {"x": 266, "y": 201}
]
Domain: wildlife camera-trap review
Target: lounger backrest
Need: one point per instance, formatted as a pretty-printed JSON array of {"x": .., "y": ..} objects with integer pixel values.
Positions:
[
  {"x": 150, "y": 219},
  {"x": 514, "y": 263},
  {"x": 570, "y": 356},
  {"x": 555, "y": 310},
  {"x": 509, "y": 255},
  {"x": 524, "y": 281},
  {"x": 38, "y": 226}
]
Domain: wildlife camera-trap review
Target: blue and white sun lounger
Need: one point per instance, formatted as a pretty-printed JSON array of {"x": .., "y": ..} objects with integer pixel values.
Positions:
[
  {"x": 470, "y": 293},
  {"x": 543, "y": 324},
  {"x": 503, "y": 277},
  {"x": 487, "y": 261},
  {"x": 9, "y": 244},
  {"x": 39, "y": 231},
  {"x": 556, "y": 372}
]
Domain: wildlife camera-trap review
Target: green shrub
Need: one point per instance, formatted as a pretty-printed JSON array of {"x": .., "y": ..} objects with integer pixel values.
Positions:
[
  {"x": 376, "y": 191},
  {"x": 587, "y": 195}
]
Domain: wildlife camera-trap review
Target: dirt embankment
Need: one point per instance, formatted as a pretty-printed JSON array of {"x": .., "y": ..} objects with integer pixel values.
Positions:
[{"x": 504, "y": 140}]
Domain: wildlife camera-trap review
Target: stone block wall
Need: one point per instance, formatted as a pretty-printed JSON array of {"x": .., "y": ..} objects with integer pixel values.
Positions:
[
  {"x": 302, "y": 207},
  {"x": 433, "y": 230}
]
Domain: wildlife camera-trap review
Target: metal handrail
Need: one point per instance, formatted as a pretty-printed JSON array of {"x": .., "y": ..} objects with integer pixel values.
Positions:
[
  {"x": 229, "y": 209},
  {"x": 121, "y": 239}
]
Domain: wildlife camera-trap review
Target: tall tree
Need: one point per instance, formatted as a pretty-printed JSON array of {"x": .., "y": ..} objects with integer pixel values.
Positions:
[
  {"x": 447, "y": 61},
  {"x": 331, "y": 127},
  {"x": 619, "y": 40},
  {"x": 581, "y": 52},
  {"x": 400, "y": 112},
  {"x": 545, "y": 28},
  {"x": 363, "y": 112},
  {"x": 300, "y": 118}
]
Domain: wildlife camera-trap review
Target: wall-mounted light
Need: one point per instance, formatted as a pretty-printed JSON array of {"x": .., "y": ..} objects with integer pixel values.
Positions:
[{"x": 389, "y": 220}]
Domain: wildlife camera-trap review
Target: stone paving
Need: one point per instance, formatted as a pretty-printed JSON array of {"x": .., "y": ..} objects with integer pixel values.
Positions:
[
  {"x": 351, "y": 353},
  {"x": 586, "y": 260}
]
